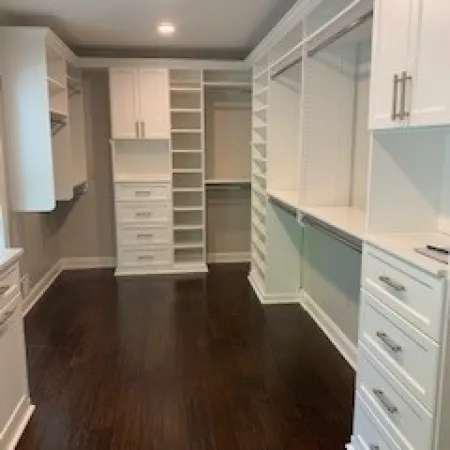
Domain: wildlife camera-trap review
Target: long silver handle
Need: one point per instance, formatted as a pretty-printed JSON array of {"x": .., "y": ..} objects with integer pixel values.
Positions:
[
  {"x": 143, "y": 214},
  {"x": 404, "y": 114},
  {"x": 389, "y": 342},
  {"x": 146, "y": 257},
  {"x": 374, "y": 447},
  {"x": 143, "y": 129},
  {"x": 390, "y": 407},
  {"x": 394, "y": 114},
  {"x": 392, "y": 283},
  {"x": 6, "y": 317},
  {"x": 145, "y": 236},
  {"x": 143, "y": 193}
]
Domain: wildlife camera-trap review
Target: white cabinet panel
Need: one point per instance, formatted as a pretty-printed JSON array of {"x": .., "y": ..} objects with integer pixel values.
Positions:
[
  {"x": 429, "y": 94},
  {"x": 13, "y": 380},
  {"x": 124, "y": 106},
  {"x": 154, "y": 103},
  {"x": 391, "y": 37}
]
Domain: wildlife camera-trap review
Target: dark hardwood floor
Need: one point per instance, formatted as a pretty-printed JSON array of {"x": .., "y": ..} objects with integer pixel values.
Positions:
[{"x": 193, "y": 364}]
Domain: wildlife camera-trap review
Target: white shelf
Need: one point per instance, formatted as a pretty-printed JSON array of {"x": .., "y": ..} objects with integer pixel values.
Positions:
[
  {"x": 258, "y": 225},
  {"x": 402, "y": 245},
  {"x": 187, "y": 189},
  {"x": 141, "y": 178},
  {"x": 188, "y": 227},
  {"x": 187, "y": 151},
  {"x": 54, "y": 86},
  {"x": 189, "y": 245},
  {"x": 185, "y": 89},
  {"x": 259, "y": 245},
  {"x": 187, "y": 131},
  {"x": 227, "y": 84},
  {"x": 287, "y": 197},
  {"x": 228, "y": 181},
  {"x": 351, "y": 221},
  {"x": 58, "y": 115},
  {"x": 259, "y": 190},
  {"x": 259, "y": 210},
  {"x": 186, "y": 110},
  {"x": 259, "y": 262},
  {"x": 187, "y": 171},
  {"x": 187, "y": 208}
]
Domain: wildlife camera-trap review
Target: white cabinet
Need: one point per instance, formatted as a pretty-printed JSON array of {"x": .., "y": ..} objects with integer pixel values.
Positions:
[
  {"x": 139, "y": 103},
  {"x": 409, "y": 72}
]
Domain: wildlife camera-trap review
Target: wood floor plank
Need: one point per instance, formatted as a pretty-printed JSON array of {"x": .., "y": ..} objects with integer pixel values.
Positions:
[{"x": 180, "y": 364}]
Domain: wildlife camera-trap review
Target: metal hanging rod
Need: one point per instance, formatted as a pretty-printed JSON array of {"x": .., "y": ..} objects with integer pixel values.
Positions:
[
  {"x": 353, "y": 244},
  {"x": 340, "y": 33},
  {"x": 286, "y": 68}
]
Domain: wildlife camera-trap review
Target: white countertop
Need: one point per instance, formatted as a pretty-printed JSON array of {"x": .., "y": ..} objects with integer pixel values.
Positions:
[
  {"x": 9, "y": 256},
  {"x": 402, "y": 245},
  {"x": 285, "y": 196}
]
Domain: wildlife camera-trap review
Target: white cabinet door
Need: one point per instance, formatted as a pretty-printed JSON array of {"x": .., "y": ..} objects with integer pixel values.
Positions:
[
  {"x": 429, "y": 95},
  {"x": 154, "y": 103},
  {"x": 13, "y": 379},
  {"x": 391, "y": 37},
  {"x": 124, "y": 105}
]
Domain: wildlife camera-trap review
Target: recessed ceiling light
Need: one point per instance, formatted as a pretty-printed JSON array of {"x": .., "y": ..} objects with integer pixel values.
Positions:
[{"x": 166, "y": 28}]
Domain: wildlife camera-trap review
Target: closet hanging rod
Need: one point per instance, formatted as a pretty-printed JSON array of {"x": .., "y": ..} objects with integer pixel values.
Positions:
[
  {"x": 358, "y": 22},
  {"x": 333, "y": 234},
  {"x": 286, "y": 68}
]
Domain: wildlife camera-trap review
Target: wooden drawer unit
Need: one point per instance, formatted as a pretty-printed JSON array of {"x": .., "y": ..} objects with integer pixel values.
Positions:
[
  {"x": 142, "y": 191},
  {"x": 140, "y": 212},
  {"x": 134, "y": 235},
  {"x": 410, "y": 292},
  {"x": 408, "y": 354},
  {"x": 397, "y": 410},
  {"x": 144, "y": 256},
  {"x": 368, "y": 433}
]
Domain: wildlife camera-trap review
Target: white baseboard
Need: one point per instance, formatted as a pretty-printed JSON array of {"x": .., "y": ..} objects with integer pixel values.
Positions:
[
  {"x": 17, "y": 424},
  {"x": 103, "y": 262},
  {"x": 188, "y": 270},
  {"x": 237, "y": 257},
  {"x": 343, "y": 344},
  {"x": 41, "y": 287},
  {"x": 271, "y": 299}
]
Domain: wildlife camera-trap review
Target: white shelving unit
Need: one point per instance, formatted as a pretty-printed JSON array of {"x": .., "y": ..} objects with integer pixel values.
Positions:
[{"x": 188, "y": 190}]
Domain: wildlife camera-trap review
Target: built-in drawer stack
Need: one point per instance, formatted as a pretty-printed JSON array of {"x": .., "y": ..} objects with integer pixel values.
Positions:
[
  {"x": 144, "y": 226},
  {"x": 399, "y": 354}
]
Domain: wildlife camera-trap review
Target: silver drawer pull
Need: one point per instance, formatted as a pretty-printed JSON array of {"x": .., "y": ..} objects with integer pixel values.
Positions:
[
  {"x": 143, "y": 214},
  {"x": 374, "y": 447},
  {"x": 390, "y": 407},
  {"x": 145, "y": 236},
  {"x": 6, "y": 317},
  {"x": 392, "y": 283},
  {"x": 145, "y": 257},
  {"x": 143, "y": 193},
  {"x": 389, "y": 342}
]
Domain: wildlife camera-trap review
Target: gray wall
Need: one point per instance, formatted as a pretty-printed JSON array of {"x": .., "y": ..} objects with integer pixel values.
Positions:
[{"x": 83, "y": 227}]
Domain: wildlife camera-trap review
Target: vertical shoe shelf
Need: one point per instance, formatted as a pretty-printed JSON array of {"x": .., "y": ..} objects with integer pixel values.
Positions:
[
  {"x": 187, "y": 141},
  {"x": 259, "y": 176}
]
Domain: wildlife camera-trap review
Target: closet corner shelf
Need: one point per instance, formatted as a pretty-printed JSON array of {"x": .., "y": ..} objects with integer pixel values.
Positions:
[
  {"x": 54, "y": 86},
  {"x": 141, "y": 178},
  {"x": 402, "y": 245},
  {"x": 195, "y": 245},
  {"x": 284, "y": 196},
  {"x": 347, "y": 219},
  {"x": 58, "y": 116}
]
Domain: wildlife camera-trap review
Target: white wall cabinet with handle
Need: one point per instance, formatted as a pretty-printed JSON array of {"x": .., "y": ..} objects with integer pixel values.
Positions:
[
  {"x": 140, "y": 103},
  {"x": 409, "y": 74}
]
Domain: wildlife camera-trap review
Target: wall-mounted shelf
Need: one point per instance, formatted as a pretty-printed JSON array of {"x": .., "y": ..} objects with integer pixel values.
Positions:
[
  {"x": 54, "y": 86},
  {"x": 225, "y": 181}
]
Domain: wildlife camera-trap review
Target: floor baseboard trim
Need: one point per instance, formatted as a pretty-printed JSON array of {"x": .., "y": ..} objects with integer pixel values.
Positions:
[
  {"x": 237, "y": 257},
  {"x": 271, "y": 299},
  {"x": 41, "y": 287},
  {"x": 342, "y": 343},
  {"x": 103, "y": 262},
  {"x": 18, "y": 423}
]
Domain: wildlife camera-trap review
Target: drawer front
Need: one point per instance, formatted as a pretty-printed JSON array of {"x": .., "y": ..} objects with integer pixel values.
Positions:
[
  {"x": 143, "y": 212},
  {"x": 398, "y": 411},
  {"x": 408, "y": 354},
  {"x": 368, "y": 433},
  {"x": 133, "y": 235},
  {"x": 414, "y": 295},
  {"x": 142, "y": 191},
  {"x": 141, "y": 257}
]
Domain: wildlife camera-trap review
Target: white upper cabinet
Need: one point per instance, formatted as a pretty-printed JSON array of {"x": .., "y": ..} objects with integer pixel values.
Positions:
[
  {"x": 409, "y": 73},
  {"x": 391, "y": 35},
  {"x": 140, "y": 103}
]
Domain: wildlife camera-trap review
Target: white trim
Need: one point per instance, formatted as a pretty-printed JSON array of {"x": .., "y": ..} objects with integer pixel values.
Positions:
[
  {"x": 41, "y": 287},
  {"x": 342, "y": 343},
  {"x": 188, "y": 269},
  {"x": 17, "y": 424},
  {"x": 236, "y": 257},
  {"x": 100, "y": 262},
  {"x": 272, "y": 299}
]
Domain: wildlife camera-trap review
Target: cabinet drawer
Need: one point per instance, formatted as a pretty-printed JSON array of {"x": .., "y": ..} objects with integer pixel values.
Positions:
[
  {"x": 138, "y": 257},
  {"x": 408, "y": 354},
  {"x": 398, "y": 411},
  {"x": 142, "y": 191},
  {"x": 368, "y": 432},
  {"x": 135, "y": 235},
  {"x": 136, "y": 212},
  {"x": 411, "y": 293}
]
